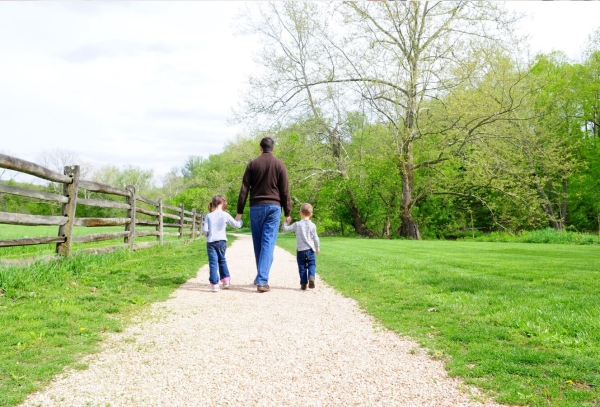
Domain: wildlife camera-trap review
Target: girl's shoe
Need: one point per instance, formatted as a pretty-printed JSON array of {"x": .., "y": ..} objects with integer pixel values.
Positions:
[
  {"x": 226, "y": 283},
  {"x": 215, "y": 287}
]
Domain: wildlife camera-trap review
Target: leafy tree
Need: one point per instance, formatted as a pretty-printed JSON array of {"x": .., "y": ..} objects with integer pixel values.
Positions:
[{"x": 394, "y": 57}]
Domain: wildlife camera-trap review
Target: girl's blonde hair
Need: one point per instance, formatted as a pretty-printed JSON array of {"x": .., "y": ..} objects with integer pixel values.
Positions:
[{"x": 216, "y": 201}]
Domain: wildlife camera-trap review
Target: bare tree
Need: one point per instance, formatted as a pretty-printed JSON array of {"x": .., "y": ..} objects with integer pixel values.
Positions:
[
  {"x": 296, "y": 55},
  {"x": 58, "y": 159}
]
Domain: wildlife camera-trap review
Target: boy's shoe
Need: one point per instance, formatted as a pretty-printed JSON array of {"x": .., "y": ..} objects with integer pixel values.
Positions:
[
  {"x": 303, "y": 286},
  {"x": 311, "y": 282},
  {"x": 226, "y": 283},
  {"x": 215, "y": 287},
  {"x": 263, "y": 288}
]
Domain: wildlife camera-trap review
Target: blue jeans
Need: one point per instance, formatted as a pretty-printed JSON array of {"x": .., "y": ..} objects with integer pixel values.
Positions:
[
  {"x": 307, "y": 265},
  {"x": 217, "y": 261},
  {"x": 264, "y": 222}
]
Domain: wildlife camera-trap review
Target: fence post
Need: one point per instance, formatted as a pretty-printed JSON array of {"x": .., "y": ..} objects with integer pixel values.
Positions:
[
  {"x": 201, "y": 224},
  {"x": 159, "y": 227},
  {"x": 193, "y": 224},
  {"x": 68, "y": 210},
  {"x": 130, "y": 227},
  {"x": 182, "y": 214}
]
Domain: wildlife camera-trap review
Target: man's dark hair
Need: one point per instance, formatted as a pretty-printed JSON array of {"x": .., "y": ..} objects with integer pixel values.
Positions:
[{"x": 267, "y": 144}]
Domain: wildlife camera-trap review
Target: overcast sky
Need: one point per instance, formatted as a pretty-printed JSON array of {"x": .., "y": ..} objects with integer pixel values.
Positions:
[{"x": 150, "y": 83}]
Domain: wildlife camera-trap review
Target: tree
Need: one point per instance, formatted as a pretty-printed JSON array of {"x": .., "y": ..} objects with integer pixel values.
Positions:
[
  {"x": 397, "y": 57},
  {"x": 129, "y": 175}
]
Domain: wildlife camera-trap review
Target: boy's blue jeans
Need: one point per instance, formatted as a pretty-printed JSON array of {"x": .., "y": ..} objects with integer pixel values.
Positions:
[
  {"x": 217, "y": 261},
  {"x": 307, "y": 264},
  {"x": 264, "y": 222}
]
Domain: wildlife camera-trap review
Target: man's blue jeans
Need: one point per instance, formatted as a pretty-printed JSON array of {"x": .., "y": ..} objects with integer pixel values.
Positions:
[
  {"x": 307, "y": 265},
  {"x": 216, "y": 261},
  {"x": 264, "y": 222}
]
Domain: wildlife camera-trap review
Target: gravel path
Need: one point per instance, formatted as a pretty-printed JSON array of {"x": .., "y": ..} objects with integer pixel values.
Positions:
[{"x": 240, "y": 348}]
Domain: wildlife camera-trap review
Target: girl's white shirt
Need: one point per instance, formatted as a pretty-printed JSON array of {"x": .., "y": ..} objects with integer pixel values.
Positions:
[{"x": 215, "y": 224}]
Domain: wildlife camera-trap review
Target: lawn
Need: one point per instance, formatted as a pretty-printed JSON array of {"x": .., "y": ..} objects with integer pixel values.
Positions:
[
  {"x": 520, "y": 321},
  {"x": 51, "y": 314}
]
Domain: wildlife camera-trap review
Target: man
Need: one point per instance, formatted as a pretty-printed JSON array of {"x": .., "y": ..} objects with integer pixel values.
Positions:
[{"x": 266, "y": 180}]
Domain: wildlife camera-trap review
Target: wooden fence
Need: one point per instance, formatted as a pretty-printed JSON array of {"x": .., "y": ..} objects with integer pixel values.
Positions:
[{"x": 180, "y": 219}]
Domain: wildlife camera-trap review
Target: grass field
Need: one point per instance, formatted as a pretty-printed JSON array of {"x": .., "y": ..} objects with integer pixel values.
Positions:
[
  {"x": 521, "y": 321},
  {"x": 53, "y": 313},
  {"x": 17, "y": 232}
]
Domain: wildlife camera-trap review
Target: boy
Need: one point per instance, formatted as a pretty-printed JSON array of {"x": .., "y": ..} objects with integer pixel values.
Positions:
[{"x": 307, "y": 244}]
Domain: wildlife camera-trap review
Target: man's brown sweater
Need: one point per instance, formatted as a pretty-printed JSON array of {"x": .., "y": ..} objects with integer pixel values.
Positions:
[{"x": 266, "y": 180}]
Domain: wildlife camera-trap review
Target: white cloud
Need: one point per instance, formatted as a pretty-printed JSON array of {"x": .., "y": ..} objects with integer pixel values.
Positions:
[{"x": 144, "y": 84}]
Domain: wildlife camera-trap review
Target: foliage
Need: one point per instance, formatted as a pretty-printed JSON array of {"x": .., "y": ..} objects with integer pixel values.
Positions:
[
  {"x": 51, "y": 314},
  {"x": 518, "y": 321}
]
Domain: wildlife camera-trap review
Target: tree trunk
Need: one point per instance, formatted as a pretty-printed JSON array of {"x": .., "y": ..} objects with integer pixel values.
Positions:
[
  {"x": 563, "y": 211},
  {"x": 387, "y": 227},
  {"x": 556, "y": 225},
  {"x": 357, "y": 220},
  {"x": 408, "y": 226}
]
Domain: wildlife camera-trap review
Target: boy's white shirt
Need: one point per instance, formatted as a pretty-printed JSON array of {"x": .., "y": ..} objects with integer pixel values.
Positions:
[
  {"x": 215, "y": 224},
  {"x": 306, "y": 235}
]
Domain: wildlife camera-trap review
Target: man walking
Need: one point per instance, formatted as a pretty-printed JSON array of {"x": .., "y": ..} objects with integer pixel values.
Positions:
[{"x": 266, "y": 180}]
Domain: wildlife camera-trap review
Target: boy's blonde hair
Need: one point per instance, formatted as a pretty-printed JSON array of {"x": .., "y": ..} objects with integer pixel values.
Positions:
[
  {"x": 306, "y": 209},
  {"x": 216, "y": 201}
]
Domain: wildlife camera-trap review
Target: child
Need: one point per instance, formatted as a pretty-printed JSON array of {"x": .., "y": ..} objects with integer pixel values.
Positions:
[
  {"x": 216, "y": 240},
  {"x": 307, "y": 243}
]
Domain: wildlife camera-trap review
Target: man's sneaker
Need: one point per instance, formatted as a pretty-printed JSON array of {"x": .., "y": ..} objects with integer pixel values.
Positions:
[
  {"x": 263, "y": 288},
  {"x": 215, "y": 287},
  {"x": 303, "y": 286},
  {"x": 226, "y": 283},
  {"x": 311, "y": 282}
]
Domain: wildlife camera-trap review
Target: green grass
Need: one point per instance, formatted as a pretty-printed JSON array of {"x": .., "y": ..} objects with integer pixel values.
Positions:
[
  {"x": 520, "y": 321},
  {"x": 17, "y": 232},
  {"x": 51, "y": 314},
  {"x": 547, "y": 235}
]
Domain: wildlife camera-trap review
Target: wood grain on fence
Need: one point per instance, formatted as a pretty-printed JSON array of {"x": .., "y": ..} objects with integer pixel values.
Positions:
[{"x": 69, "y": 200}]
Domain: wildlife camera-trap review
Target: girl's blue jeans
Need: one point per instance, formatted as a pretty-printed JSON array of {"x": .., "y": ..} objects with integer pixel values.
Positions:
[
  {"x": 217, "y": 261},
  {"x": 307, "y": 265}
]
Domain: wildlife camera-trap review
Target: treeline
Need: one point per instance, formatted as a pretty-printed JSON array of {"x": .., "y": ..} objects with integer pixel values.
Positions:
[{"x": 418, "y": 119}]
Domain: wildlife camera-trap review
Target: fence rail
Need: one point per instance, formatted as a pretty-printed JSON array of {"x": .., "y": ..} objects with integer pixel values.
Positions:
[{"x": 69, "y": 200}]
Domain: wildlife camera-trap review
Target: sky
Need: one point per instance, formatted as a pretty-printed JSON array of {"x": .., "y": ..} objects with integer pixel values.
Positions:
[{"x": 148, "y": 84}]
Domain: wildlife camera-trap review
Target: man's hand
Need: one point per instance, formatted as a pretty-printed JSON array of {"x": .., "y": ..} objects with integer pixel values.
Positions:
[
  {"x": 238, "y": 217},
  {"x": 288, "y": 220}
]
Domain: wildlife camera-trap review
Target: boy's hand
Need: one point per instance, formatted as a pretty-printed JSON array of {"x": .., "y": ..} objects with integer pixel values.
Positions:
[
  {"x": 238, "y": 217},
  {"x": 318, "y": 251}
]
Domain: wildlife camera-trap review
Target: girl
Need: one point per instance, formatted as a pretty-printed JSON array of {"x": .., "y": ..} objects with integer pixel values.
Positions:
[{"x": 216, "y": 240}]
